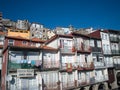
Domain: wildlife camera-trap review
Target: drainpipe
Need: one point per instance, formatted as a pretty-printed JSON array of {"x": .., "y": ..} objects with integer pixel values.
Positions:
[{"x": 7, "y": 66}]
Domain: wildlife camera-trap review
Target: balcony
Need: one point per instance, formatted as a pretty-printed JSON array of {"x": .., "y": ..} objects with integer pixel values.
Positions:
[
  {"x": 108, "y": 64},
  {"x": 82, "y": 82},
  {"x": 114, "y": 39},
  {"x": 101, "y": 78},
  {"x": 85, "y": 66},
  {"x": 68, "y": 85},
  {"x": 115, "y": 52},
  {"x": 96, "y": 49},
  {"x": 68, "y": 66},
  {"x": 92, "y": 80},
  {"x": 105, "y": 77},
  {"x": 23, "y": 64},
  {"x": 83, "y": 49},
  {"x": 50, "y": 64},
  {"x": 107, "y": 52},
  {"x": 51, "y": 86},
  {"x": 68, "y": 50},
  {"x": 99, "y": 65},
  {"x": 14, "y": 66},
  {"x": 117, "y": 66}
]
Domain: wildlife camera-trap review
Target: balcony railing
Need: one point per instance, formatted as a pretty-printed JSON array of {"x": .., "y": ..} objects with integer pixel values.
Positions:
[
  {"x": 117, "y": 66},
  {"x": 99, "y": 65},
  {"x": 114, "y": 39},
  {"x": 84, "y": 48},
  {"x": 68, "y": 84},
  {"x": 23, "y": 64},
  {"x": 83, "y": 82},
  {"x": 68, "y": 49},
  {"x": 66, "y": 66},
  {"x": 51, "y": 86},
  {"x": 108, "y": 64},
  {"x": 85, "y": 66},
  {"x": 106, "y": 77},
  {"x": 106, "y": 51},
  {"x": 101, "y": 78},
  {"x": 96, "y": 49},
  {"x": 92, "y": 80},
  {"x": 52, "y": 64},
  {"x": 14, "y": 66},
  {"x": 115, "y": 52}
]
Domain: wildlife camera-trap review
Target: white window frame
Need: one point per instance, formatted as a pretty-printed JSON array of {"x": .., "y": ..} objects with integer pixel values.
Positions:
[
  {"x": 99, "y": 44},
  {"x": 10, "y": 42}
]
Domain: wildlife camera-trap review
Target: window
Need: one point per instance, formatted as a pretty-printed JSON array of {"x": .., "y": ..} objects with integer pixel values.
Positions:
[
  {"x": 94, "y": 58},
  {"x": 92, "y": 43},
  {"x": 10, "y": 42},
  {"x": 100, "y": 59},
  {"x": 108, "y": 47},
  {"x": 50, "y": 79},
  {"x": 43, "y": 30},
  {"x": 106, "y": 37},
  {"x": 24, "y": 42},
  {"x": 25, "y": 56},
  {"x": 98, "y": 43},
  {"x": 32, "y": 34},
  {"x": 1, "y": 38},
  {"x": 102, "y": 36},
  {"x": 33, "y": 43},
  {"x": 111, "y": 35},
  {"x": 104, "y": 47},
  {"x": 86, "y": 56},
  {"x": 69, "y": 44}
]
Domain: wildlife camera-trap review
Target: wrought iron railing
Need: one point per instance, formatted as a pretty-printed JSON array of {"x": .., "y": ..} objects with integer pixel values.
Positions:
[{"x": 50, "y": 64}]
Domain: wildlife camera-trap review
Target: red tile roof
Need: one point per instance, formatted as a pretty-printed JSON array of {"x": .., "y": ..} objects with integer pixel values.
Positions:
[
  {"x": 48, "y": 48},
  {"x": 21, "y": 38},
  {"x": 24, "y": 47},
  {"x": 56, "y": 36},
  {"x": 37, "y": 40},
  {"x": 95, "y": 34},
  {"x": 79, "y": 34}
]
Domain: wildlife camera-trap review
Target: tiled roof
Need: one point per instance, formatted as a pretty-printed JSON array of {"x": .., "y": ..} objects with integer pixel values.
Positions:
[
  {"x": 25, "y": 47},
  {"x": 37, "y": 40},
  {"x": 95, "y": 34},
  {"x": 2, "y": 33},
  {"x": 21, "y": 38},
  {"x": 79, "y": 34},
  {"x": 48, "y": 48},
  {"x": 57, "y": 35},
  {"x": 34, "y": 47}
]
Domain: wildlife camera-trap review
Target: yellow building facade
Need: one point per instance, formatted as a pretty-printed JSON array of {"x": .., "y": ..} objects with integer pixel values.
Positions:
[{"x": 18, "y": 32}]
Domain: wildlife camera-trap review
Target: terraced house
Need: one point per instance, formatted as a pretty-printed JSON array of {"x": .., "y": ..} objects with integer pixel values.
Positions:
[
  {"x": 21, "y": 64},
  {"x": 114, "y": 37},
  {"x": 68, "y": 60}
]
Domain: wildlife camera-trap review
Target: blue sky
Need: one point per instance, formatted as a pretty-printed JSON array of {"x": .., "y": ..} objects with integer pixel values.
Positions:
[{"x": 51, "y": 13}]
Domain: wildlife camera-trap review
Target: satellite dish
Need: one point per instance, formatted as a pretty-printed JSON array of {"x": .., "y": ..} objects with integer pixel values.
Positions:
[{"x": 8, "y": 78}]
